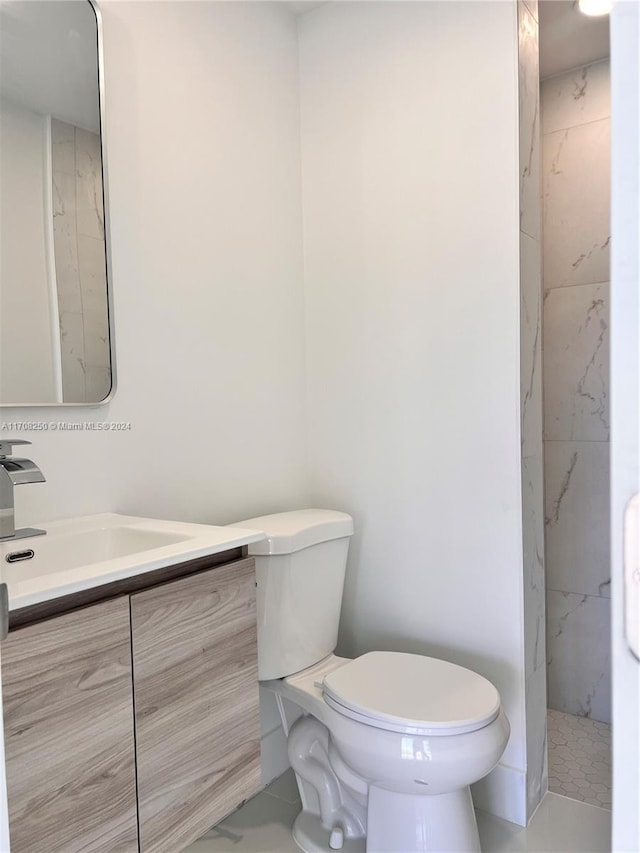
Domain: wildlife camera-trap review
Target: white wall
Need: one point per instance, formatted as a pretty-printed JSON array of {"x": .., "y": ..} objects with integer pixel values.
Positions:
[
  {"x": 26, "y": 362},
  {"x": 412, "y": 306},
  {"x": 202, "y": 134}
]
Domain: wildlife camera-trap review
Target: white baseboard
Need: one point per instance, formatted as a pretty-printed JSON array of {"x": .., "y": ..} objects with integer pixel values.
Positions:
[{"x": 503, "y": 793}]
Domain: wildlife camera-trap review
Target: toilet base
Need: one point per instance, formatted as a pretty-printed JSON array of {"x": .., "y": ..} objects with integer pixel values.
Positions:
[
  {"x": 312, "y": 837},
  {"x": 442, "y": 823}
]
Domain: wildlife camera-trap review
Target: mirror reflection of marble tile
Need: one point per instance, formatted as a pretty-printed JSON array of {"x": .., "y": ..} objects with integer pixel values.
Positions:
[
  {"x": 96, "y": 338},
  {"x": 89, "y": 184},
  {"x": 91, "y": 264},
  {"x": 64, "y": 197},
  {"x": 79, "y": 250},
  {"x": 576, "y": 363},
  {"x": 579, "y": 654},
  {"x": 72, "y": 346},
  {"x": 63, "y": 147},
  {"x": 66, "y": 246},
  {"x": 577, "y": 516}
]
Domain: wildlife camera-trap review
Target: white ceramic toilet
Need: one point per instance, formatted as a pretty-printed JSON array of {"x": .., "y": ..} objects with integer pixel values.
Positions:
[{"x": 387, "y": 744}]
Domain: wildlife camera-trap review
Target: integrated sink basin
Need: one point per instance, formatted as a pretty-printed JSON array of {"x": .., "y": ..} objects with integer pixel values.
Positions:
[{"x": 88, "y": 551}]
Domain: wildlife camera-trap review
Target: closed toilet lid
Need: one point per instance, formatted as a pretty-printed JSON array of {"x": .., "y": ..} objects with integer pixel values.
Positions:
[{"x": 412, "y": 693}]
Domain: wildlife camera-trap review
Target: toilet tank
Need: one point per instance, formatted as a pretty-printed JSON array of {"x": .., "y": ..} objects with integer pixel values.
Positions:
[{"x": 300, "y": 570}]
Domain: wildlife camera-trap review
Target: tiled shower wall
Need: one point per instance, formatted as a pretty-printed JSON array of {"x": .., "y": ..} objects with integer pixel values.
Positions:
[
  {"x": 576, "y": 181},
  {"x": 79, "y": 248},
  {"x": 531, "y": 403}
]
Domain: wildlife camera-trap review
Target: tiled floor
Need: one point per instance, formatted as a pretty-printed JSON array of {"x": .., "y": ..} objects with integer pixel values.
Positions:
[
  {"x": 263, "y": 825},
  {"x": 579, "y": 758}
]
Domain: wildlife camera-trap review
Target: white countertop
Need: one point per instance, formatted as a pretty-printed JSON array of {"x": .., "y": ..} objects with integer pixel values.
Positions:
[{"x": 88, "y": 551}]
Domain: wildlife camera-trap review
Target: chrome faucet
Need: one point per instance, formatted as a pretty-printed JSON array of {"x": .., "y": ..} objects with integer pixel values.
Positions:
[{"x": 15, "y": 472}]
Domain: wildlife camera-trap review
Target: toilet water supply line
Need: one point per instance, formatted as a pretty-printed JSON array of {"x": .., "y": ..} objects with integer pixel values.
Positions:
[{"x": 308, "y": 749}]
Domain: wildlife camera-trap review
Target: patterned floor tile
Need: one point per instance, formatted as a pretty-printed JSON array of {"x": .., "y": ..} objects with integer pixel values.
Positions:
[{"x": 579, "y": 758}]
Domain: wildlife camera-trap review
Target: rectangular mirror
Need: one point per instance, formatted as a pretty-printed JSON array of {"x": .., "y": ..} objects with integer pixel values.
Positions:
[{"x": 55, "y": 335}]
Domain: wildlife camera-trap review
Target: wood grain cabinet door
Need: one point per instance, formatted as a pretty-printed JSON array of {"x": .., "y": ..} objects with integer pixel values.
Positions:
[
  {"x": 68, "y": 722},
  {"x": 195, "y": 673}
]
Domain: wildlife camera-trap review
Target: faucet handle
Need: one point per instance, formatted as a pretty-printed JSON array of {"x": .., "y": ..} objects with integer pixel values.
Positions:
[{"x": 7, "y": 445}]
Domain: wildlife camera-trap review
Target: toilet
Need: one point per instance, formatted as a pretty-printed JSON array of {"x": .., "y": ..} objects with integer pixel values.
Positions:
[{"x": 384, "y": 746}]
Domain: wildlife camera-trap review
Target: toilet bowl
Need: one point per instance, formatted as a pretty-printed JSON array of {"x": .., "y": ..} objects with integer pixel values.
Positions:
[{"x": 388, "y": 743}]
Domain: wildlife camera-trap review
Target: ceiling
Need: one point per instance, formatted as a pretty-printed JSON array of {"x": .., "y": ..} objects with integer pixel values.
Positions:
[{"x": 568, "y": 38}]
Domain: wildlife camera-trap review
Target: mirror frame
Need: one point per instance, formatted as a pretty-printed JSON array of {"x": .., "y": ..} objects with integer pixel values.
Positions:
[{"x": 107, "y": 239}]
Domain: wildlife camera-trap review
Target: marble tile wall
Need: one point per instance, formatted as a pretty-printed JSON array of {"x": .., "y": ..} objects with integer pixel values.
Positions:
[
  {"x": 575, "y": 166},
  {"x": 531, "y": 404},
  {"x": 79, "y": 249}
]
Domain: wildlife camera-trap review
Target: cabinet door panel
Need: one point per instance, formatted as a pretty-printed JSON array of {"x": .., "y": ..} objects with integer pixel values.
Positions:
[
  {"x": 196, "y": 703},
  {"x": 68, "y": 721}
]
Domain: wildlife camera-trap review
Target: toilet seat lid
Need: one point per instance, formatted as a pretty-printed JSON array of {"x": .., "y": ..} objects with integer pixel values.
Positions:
[{"x": 412, "y": 693}]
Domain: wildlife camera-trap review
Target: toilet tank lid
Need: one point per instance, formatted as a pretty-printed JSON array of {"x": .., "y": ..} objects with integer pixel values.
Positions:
[{"x": 288, "y": 532}]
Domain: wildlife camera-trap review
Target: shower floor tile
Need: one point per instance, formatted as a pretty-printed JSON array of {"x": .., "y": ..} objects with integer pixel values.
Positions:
[{"x": 579, "y": 758}]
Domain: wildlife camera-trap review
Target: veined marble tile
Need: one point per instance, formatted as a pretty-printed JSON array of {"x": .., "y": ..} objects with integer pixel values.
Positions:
[
  {"x": 576, "y": 363},
  {"x": 532, "y": 6},
  {"x": 64, "y": 196},
  {"x": 577, "y": 517},
  {"x": 66, "y": 244},
  {"x": 72, "y": 351},
  {"x": 534, "y": 572},
  {"x": 89, "y": 184},
  {"x": 91, "y": 263},
  {"x": 63, "y": 155},
  {"x": 577, "y": 230},
  {"x": 536, "y": 711},
  {"x": 577, "y": 97},
  {"x": 529, "y": 102},
  {"x": 80, "y": 263},
  {"x": 579, "y": 654},
  {"x": 88, "y": 155},
  {"x": 96, "y": 337},
  {"x": 530, "y": 346}
]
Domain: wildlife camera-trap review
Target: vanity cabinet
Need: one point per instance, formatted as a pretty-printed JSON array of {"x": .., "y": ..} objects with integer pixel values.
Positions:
[
  {"x": 195, "y": 677},
  {"x": 132, "y": 724},
  {"x": 69, "y": 745}
]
